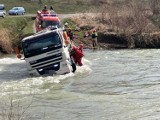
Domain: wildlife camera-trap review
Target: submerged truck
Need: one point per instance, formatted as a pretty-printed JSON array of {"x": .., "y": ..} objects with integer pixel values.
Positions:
[{"x": 46, "y": 53}]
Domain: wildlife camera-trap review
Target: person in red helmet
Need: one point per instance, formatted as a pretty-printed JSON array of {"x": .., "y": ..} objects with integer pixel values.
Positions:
[{"x": 77, "y": 54}]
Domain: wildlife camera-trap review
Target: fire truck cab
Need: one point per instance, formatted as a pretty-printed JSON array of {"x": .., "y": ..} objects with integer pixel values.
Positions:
[{"x": 46, "y": 19}]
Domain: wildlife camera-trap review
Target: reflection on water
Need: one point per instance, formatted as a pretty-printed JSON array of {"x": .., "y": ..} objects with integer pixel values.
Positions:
[{"x": 112, "y": 85}]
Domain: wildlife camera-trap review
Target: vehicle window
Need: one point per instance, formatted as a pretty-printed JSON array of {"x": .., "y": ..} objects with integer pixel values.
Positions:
[
  {"x": 41, "y": 45},
  {"x": 15, "y": 8},
  {"x": 46, "y": 24},
  {"x": 2, "y": 7}
]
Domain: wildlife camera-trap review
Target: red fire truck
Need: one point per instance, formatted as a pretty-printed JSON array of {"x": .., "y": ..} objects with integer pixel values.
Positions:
[{"x": 46, "y": 19}]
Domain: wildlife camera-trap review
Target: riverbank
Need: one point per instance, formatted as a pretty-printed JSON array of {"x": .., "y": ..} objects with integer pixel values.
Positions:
[
  {"x": 116, "y": 41},
  {"x": 120, "y": 25},
  {"x": 108, "y": 38},
  {"x": 117, "y": 36}
]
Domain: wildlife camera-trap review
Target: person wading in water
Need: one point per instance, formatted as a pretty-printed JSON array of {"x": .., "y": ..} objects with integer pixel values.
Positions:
[{"x": 94, "y": 38}]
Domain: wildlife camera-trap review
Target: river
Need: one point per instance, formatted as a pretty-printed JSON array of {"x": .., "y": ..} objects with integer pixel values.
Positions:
[{"x": 112, "y": 85}]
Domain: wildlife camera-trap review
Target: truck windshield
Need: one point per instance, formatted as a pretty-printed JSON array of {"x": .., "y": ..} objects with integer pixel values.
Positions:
[
  {"x": 46, "y": 24},
  {"x": 39, "y": 45}
]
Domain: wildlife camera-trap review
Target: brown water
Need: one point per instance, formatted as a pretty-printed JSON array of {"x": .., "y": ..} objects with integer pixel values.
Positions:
[{"x": 112, "y": 85}]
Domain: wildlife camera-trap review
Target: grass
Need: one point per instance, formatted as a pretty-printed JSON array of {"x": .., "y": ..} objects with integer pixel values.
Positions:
[
  {"x": 60, "y": 6},
  {"x": 73, "y": 26},
  {"x": 63, "y": 6},
  {"x": 12, "y": 21},
  {"x": 12, "y": 30}
]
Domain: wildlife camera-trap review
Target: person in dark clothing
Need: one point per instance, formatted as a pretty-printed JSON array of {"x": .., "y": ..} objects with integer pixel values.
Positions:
[
  {"x": 70, "y": 34},
  {"x": 45, "y": 8},
  {"x": 94, "y": 38},
  {"x": 51, "y": 7},
  {"x": 52, "y": 11}
]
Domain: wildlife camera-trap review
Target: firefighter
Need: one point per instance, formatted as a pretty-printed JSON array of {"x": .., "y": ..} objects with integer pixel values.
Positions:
[
  {"x": 94, "y": 38},
  {"x": 45, "y": 10},
  {"x": 70, "y": 35},
  {"x": 66, "y": 27},
  {"x": 51, "y": 8},
  {"x": 77, "y": 54}
]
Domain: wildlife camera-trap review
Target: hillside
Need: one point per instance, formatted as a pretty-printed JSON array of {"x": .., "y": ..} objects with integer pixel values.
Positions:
[
  {"x": 120, "y": 23},
  {"x": 60, "y": 6}
]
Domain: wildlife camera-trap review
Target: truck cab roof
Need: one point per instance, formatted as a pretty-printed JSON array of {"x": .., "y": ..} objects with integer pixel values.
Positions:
[
  {"x": 50, "y": 18},
  {"x": 41, "y": 33}
]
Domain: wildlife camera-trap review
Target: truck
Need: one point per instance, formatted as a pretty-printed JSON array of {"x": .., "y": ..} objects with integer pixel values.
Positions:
[
  {"x": 46, "y": 19},
  {"x": 46, "y": 53}
]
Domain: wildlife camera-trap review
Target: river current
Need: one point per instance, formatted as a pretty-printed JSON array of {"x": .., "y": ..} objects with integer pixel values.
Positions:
[{"x": 112, "y": 85}]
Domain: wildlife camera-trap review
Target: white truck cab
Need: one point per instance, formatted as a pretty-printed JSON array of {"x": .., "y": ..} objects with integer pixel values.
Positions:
[{"x": 46, "y": 53}]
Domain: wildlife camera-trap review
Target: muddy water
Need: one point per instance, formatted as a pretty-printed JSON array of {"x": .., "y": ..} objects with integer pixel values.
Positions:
[{"x": 112, "y": 85}]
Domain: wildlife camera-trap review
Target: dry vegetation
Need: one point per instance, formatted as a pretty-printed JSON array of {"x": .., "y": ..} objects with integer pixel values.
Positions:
[
  {"x": 14, "y": 109},
  {"x": 5, "y": 43},
  {"x": 11, "y": 32},
  {"x": 130, "y": 20}
]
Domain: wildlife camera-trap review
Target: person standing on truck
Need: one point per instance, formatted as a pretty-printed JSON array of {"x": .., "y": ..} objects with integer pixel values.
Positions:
[
  {"x": 94, "y": 38},
  {"x": 51, "y": 10},
  {"x": 45, "y": 10}
]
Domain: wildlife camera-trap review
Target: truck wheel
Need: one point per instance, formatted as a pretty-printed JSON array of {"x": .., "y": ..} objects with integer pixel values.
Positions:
[{"x": 73, "y": 64}]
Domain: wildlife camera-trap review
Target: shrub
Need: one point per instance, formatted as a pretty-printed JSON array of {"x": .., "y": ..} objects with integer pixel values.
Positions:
[{"x": 5, "y": 44}]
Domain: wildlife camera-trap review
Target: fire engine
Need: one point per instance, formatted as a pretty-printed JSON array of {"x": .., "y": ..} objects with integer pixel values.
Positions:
[{"x": 45, "y": 19}]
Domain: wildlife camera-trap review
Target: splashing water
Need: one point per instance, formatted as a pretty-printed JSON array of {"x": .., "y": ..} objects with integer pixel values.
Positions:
[{"x": 14, "y": 78}]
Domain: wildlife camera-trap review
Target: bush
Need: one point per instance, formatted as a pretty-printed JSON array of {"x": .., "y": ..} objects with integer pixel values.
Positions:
[
  {"x": 15, "y": 29},
  {"x": 5, "y": 44},
  {"x": 12, "y": 31}
]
